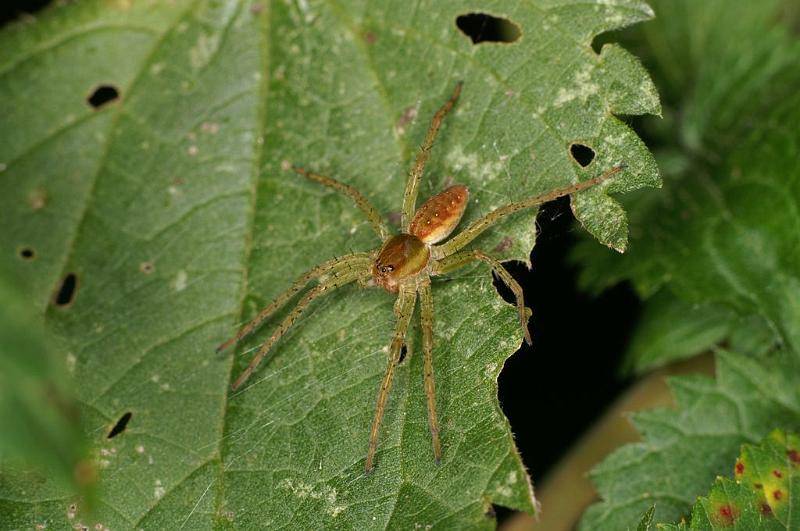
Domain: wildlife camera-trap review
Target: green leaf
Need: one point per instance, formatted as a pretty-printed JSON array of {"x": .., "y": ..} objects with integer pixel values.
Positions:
[
  {"x": 763, "y": 493},
  {"x": 670, "y": 329},
  {"x": 683, "y": 450},
  {"x": 724, "y": 66},
  {"x": 173, "y": 208}
]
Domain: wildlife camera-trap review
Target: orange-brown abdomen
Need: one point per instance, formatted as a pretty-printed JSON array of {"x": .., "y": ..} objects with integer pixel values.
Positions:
[{"x": 439, "y": 215}]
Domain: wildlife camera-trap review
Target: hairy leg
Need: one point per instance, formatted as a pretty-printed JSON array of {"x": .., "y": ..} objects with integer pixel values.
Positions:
[
  {"x": 337, "y": 279},
  {"x": 412, "y": 185},
  {"x": 403, "y": 310},
  {"x": 362, "y": 202},
  {"x": 454, "y": 261},
  {"x": 477, "y": 227},
  {"x": 356, "y": 261},
  {"x": 426, "y": 306}
]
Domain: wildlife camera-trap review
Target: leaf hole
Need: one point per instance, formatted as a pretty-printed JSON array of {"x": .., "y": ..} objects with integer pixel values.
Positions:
[
  {"x": 27, "y": 253},
  {"x": 517, "y": 270},
  {"x": 121, "y": 424},
  {"x": 403, "y": 352},
  {"x": 482, "y": 27},
  {"x": 147, "y": 267},
  {"x": 66, "y": 291},
  {"x": 101, "y": 95},
  {"x": 582, "y": 154}
]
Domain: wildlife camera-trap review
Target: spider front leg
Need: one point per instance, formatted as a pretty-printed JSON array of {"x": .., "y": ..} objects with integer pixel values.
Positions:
[
  {"x": 355, "y": 260},
  {"x": 338, "y": 279},
  {"x": 455, "y": 261},
  {"x": 403, "y": 310},
  {"x": 426, "y": 317},
  {"x": 361, "y": 202},
  {"x": 412, "y": 185}
]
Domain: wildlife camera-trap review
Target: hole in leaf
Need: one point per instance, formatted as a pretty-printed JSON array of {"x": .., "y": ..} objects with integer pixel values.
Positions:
[
  {"x": 517, "y": 270},
  {"x": 482, "y": 27},
  {"x": 66, "y": 292},
  {"x": 121, "y": 424},
  {"x": 403, "y": 352},
  {"x": 26, "y": 253},
  {"x": 147, "y": 267},
  {"x": 582, "y": 154},
  {"x": 102, "y": 95}
]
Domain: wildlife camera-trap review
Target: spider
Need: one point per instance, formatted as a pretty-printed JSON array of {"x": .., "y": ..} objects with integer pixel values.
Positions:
[{"x": 404, "y": 265}]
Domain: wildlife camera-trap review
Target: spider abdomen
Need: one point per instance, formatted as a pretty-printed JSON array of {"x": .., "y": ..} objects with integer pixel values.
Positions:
[
  {"x": 400, "y": 258},
  {"x": 439, "y": 215}
]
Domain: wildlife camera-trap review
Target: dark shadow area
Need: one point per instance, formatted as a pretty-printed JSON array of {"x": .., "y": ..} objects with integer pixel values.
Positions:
[
  {"x": 481, "y": 27},
  {"x": 553, "y": 391},
  {"x": 13, "y": 9}
]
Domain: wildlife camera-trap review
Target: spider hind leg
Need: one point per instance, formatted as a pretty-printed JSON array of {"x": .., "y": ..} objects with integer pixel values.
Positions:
[
  {"x": 454, "y": 261},
  {"x": 426, "y": 317},
  {"x": 403, "y": 310}
]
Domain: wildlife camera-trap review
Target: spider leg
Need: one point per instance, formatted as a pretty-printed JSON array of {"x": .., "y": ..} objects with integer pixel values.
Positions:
[
  {"x": 477, "y": 227},
  {"x": 403, "y": 310},
  {"x": 412, "y": 186},
  {"x": 351, "y": 261},
  {"x": 362, "y": 202},
  {"x": 338, "y": 279},
  {"x": 426, "y": 307},
  {"x": 454, "y": 261}
]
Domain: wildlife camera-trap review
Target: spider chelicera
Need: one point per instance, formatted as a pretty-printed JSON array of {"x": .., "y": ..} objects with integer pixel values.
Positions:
[{"x": 404, "y": 265}]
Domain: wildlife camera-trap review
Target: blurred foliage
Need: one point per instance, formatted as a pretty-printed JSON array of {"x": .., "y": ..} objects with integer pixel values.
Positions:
[
  {"x": 41, "y": 434},
  {"x": 716, "y": 254}
]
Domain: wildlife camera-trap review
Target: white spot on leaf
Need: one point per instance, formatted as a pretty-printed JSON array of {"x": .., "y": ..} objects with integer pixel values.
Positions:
[
  {"x": 203, "y": 50},
  {"x": 583, "y": 89},
  {"x": 478, "y": 170},
  {"x": 179, "y": 284},
  {"x": 324, "y": 493},
  {"x": 159, "y": 490},
  {"x": 71, "y": 361}
]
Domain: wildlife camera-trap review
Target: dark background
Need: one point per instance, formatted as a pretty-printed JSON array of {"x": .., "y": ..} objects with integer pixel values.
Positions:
[{"x": 552, "y": 391}]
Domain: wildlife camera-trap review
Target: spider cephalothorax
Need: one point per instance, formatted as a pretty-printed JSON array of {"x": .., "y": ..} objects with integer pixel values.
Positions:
[
  {"x": 402, "y": 256},
  {"x": 403, "y": 265}
]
